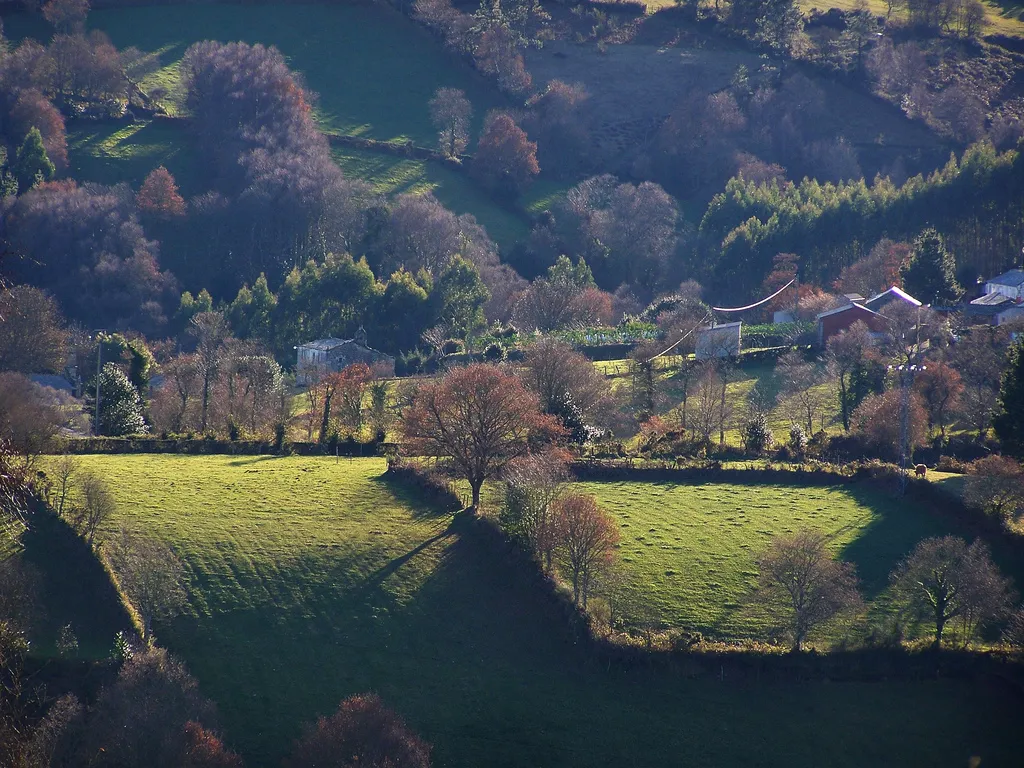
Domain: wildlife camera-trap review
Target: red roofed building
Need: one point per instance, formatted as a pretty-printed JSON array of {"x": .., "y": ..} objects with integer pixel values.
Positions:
[{"x": 837, "y": 320}]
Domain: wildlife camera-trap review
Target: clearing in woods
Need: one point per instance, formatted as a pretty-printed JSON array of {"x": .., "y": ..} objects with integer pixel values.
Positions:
[{"x": 312, "y": 579}]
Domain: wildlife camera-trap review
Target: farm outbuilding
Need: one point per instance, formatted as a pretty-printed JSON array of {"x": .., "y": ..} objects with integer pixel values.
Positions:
[
  {"x": 328, "y": 355},
  {"x": 719, "y": 341},
  {"x": 837, "y": 320}
]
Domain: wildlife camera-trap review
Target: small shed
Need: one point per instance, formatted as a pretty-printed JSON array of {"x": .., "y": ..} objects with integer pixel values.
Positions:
[
  {"x": 315, "y": 358},
  {"x": 723, "y": 340},
  {"x": 837, "y": 320}
]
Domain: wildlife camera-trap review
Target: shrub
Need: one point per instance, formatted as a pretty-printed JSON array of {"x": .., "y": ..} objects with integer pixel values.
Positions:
[
  {"x": 452, "y": 347},
  {"x": 494, "y": 353},
  {"x": 362, "y": 732},
  {"x": 797, "y": 439},
  {"x": 757, "y": 435}
]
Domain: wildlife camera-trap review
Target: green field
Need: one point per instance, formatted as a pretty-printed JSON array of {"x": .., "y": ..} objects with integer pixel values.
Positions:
[
  {"x": 373, "y": 70},
  {"x": 689, "y": 550},
  {"x": 390, "y": 175},
  {"x": 311, "y": 579}
]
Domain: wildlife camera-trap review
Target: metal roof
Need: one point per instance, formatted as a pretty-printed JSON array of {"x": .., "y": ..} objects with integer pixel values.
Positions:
[
  {"x": 894, "y": 293},
  {"x": 324, "y": 345},
  {"x": 1014, "y": 278},
  {"x": 992, "y": 300}
]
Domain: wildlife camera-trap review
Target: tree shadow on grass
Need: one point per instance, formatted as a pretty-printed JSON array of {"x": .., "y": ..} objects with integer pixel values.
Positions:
[
  {"x": 76, "y": 589},
  {"x": 252, "y": 460},
  {"x": 415, "y": 502},
  {"x": 899, "y": 525}
]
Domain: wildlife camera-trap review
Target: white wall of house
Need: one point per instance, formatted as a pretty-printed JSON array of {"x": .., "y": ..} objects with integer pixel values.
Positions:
[{"x": 1014, "y": 292}]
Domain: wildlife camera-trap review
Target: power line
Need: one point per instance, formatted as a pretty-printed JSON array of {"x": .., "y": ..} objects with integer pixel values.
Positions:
[{"x": 709, "y": 316}]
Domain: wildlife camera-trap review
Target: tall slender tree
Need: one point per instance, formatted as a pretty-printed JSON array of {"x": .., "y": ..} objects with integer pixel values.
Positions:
[{"x": 1009, "y": 419}]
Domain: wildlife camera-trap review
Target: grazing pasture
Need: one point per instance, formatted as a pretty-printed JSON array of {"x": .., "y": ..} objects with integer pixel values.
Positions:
[
  {"x": 689, "y": 550},
  {"x": 373, "y": 69},
  {"x": 310, "y": 579}
]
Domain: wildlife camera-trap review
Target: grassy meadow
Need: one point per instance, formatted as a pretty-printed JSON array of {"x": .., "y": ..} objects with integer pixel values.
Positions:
[
  {"x": 372, "y": 69},
  {"x": 310, "y": 579},
  {"x": 689, "y": 550}
]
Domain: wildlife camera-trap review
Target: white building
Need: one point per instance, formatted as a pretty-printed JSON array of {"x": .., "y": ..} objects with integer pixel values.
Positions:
[
  {"x": 1009, "y": 284},
  {"x": 719, "y": 341}
]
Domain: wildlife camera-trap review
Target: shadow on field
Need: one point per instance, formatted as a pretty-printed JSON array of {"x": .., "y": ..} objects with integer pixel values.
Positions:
[
  {"x": 76, "y": 589},
  {"x": 419, "y": 508},
  {"x": 897, "y": 529},
  {"x": 252, "y": 460}
]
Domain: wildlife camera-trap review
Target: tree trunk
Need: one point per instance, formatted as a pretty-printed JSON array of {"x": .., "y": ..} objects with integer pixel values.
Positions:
[
  {"x": 940, "y": 624},
  {"x": 206, "y": 399},
  {"x": 325, "y": 422},
  {"x": 844, "y": 404},
  {"x": 475, "y": 485}
]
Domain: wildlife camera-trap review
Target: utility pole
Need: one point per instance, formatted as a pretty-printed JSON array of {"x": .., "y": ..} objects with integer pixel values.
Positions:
[
  {"x": 99, "y": 370},
  {"x": 906, "y": 374}
]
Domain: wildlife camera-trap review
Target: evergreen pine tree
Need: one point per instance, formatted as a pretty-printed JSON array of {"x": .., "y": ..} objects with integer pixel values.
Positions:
[
  {"x": 32, "y": 164},
  {"x": 930, "y": 276},
  {"x": 120, "y": 411},
  {"x": 1009, "y": 419}
]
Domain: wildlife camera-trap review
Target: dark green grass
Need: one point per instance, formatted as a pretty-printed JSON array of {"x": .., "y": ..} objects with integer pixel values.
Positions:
[
  {"x": 74, "y": 590},
  {"x": 689, "y": 550},
  {"x": 113, "y": 153},
  {"x": 310, "y": 580},
  {"x": 391, "y": 175}
]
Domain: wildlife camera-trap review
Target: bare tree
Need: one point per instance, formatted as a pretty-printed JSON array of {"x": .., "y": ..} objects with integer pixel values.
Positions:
[
  {"x": 946, "y": 579},
  {"x": 532, "y": 484},
  {"x": 94, "y": 504},
  {"x": 879, "y": 420},
  {"x": 65, "y": 471},
  {"x": 32, "y": 335},
  {"x": 802, "y": 587},
  {"x": 552, "y": 370},
  {"x": 845, "y": 352},
  {"x": 706, "y": 415},
  {"x": 588, "y": 536},
  {"x": 27, "y": 419},
  {"x": 996, "y": 486},
  {"x": 800, "y": 383},
  {"x": 479, "y": 417},
  {"x": 450, "y": 111},
  {"x": 941, "y": 390},
  {"x": 210, "y": 330},
  {"x": 66, "y": 15},
  {"x": 150, "y": 575},
  {"x": 362, "y": 732},
  {"x": 980, "y": 357}
]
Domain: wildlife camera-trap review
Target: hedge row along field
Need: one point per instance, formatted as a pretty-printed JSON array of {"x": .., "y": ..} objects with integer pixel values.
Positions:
[{"x": 312, "y": 578}]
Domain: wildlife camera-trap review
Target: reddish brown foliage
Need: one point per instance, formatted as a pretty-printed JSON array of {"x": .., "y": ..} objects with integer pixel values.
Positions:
[
  {"x": 505, "y": 159},
  {"x": 480, "y": 417},
  {"x": 158, "y": 196},
  {"x": 878, "y": 419},
  {"x": 363, "y": 733},
  {"x": 202, "y": 749},
  {"x": 941, "y": 389},
  {"x": 33, "y": 109},
  {"x": 877, "y": 271},
  {"x": 66, "y": 15},
  {"x": 588, "y": 536}
]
